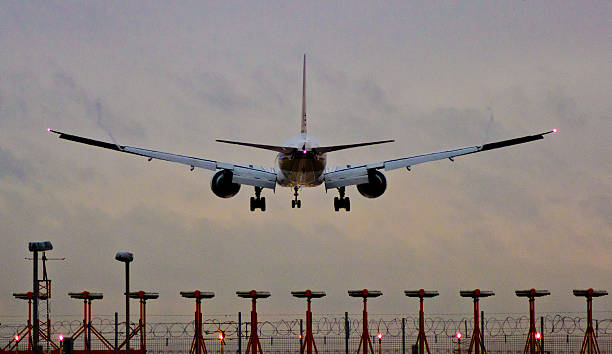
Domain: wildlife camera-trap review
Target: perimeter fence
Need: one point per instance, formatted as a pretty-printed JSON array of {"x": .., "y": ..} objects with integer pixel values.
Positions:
[{"x": 340, "y": 333}]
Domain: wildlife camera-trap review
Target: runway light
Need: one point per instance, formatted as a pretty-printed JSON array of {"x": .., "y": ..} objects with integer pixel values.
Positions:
[
  {"x": 299, "y": 336},
  {"x": 60, "y": 337},
  {"x": 458, "y": 335},
  {"x": 304, "y": 151},
  {"x": 16, "y": 337},
  {"x": 221, "y": 336},
  {"x": 379, "y": 336},
  {"x": 538, "y": 335}
]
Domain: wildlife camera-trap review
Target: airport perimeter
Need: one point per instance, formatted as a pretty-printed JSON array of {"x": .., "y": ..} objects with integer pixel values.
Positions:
[{"x": 339, "y": 333}]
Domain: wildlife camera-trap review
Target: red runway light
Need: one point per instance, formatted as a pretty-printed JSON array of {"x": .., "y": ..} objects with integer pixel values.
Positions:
[
  {"x": 459, "y": 335},
  {"x": 379, "y": 335},
  {"x": 538, "y": 335},
  {"x": 60, "y": 337}
]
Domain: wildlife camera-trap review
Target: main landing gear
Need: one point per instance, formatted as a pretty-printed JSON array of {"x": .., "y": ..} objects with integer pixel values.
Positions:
[
  {"x": 342, "y": 202},
  {"x": 258, "y": 202},
  {"x": 296, "y": 202}
]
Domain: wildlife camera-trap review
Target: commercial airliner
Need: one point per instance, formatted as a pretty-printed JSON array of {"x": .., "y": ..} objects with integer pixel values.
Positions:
[{"x": 301, "y": 162}]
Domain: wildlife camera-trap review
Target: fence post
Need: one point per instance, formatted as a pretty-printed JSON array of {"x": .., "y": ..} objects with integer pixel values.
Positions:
[
  {"x": 403, "y": 335},
  {"x": 116, "y": 332},
  {"x": 346, "y": 332},
  {"x": 482, "y": 332},
  {"x": 301, "y": 332},
  {"x": 542, "y": 334},
  {"x": 239, "y": 332}
]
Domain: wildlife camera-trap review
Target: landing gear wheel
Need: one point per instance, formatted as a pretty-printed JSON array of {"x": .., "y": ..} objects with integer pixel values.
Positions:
[
  {"x": 296, "y": 202},
  {"x": 257, "y": 202},
  {"x": 342, "y": 202}
]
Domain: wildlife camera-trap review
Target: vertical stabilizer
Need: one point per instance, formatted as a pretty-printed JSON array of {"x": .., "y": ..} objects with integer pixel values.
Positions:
[{"x": 303, "y": 131}]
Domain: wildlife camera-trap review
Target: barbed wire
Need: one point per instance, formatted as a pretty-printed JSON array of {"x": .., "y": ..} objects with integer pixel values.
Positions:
[{"x": 555, "y": 324}]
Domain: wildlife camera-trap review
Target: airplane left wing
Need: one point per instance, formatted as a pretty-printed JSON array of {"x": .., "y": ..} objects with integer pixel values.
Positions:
[
  {"x": 351, "y": 175},
  {"x": 250, "y": 175}
]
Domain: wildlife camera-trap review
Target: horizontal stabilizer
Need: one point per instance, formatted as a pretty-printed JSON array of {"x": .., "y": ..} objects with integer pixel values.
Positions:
[
  {"x": 260, "y": 146},
  {"x": 324, "y": 149}
]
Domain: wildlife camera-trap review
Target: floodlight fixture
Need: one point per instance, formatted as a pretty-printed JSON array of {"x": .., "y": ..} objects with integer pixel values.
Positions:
[
  {"x": 476, "y": 293},
  {"x": 365, "y": 293},
  {"x": 124, "y": 257},
  {"x": 590, "y": 292},
  {"x": 421, "y": 293},
  {"x": 532, "y": 293},
  {"x": 40, "y": 246}
]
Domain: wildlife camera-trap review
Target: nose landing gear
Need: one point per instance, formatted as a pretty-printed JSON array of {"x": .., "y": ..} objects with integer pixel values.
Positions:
[
  {"x": 296, "y": 202},
  {"x": 342, "y": 202},
  {"x": 258, "y": 202}
]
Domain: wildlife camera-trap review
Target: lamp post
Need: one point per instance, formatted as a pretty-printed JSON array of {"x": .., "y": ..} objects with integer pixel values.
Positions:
[
  {"x": 126, "y": 257},
  {"x": 35, "y": 247}
]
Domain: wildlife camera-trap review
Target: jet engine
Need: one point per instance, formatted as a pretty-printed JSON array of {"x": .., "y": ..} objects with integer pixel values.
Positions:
[
  {"x": 221, "y": 184},
  {"x": 376, "y": 186}
]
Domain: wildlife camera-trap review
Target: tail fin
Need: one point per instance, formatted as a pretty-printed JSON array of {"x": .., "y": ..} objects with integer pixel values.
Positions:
[{"x": 303, "y": 131}]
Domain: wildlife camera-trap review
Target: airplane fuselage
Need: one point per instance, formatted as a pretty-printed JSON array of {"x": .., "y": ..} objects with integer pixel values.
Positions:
[{"x": 303, "y": 167}]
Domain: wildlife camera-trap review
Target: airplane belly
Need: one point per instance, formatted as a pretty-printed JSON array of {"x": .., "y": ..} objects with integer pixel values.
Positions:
[{"x": 305, "y": 172}]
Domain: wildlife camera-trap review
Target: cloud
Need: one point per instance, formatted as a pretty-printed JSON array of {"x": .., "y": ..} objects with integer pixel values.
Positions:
[{"x": 10, "y": 166}]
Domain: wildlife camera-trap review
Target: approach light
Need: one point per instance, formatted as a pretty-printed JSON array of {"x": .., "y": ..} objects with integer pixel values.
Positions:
[
  {"x": 379, "y": 336},
  {"x": 458, "y": 335},
  {"x": 538, "y": 335},
  {"x": 16, "y": 337},
  {"x": 60, "y": 337}
]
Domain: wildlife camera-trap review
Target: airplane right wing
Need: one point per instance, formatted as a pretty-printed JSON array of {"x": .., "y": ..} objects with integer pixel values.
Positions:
[
  {"x": 351, "y": 175},
  {"x": 250, "y": 175}
]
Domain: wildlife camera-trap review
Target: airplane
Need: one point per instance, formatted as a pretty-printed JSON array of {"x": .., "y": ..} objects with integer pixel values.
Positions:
[{"x": 301, "y": 162}]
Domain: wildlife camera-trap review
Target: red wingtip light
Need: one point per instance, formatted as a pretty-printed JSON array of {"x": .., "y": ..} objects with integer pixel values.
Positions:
[
  {"x": 48, "y": 130},
  {"x": 458, "y": 335},
  {"x": 379, "y": 335},
  {"x": 554, "y": 130}
]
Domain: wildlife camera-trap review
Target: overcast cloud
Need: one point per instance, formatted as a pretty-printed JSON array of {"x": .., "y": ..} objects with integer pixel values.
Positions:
[{"x": 176, "y": 76}]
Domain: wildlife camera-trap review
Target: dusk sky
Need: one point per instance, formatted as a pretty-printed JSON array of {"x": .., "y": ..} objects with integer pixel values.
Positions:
[{"x": 433, "y": 75}]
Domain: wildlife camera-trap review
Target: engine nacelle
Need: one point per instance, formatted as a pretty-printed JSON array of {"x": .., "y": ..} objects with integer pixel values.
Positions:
[
  {"x": 221, "y": 184},
  {"x": 376, "y": 186}
]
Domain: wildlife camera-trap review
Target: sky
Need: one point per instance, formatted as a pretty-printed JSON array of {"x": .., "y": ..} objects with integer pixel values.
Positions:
[{"x": 432, "y": 75}]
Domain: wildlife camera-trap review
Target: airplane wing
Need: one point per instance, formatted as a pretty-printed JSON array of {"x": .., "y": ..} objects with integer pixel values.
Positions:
[
  {"x": 357, "y": 174},
  {"x": 250, "y": 175}
]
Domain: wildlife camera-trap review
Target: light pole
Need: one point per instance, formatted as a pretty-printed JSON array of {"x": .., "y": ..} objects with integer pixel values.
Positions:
[
  {"x": 126, "y": 257},
  {"x": 35, "y": 247}
]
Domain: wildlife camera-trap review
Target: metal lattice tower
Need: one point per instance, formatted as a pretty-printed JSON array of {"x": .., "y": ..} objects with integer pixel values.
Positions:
[{"x": 589, "y": 344}]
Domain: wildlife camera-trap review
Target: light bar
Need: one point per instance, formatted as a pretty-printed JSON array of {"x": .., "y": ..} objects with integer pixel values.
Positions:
[
  {"x": 590, "y": 292},
  {"x": 532, "y": 293},
  {"x": 365, "y": 293},
  {"x": 197, "y": 294},
  {"x": 421, "y": 293},
  {"x": 308, "y": 294},
  {"x": 476, "y": 293},
  {"x": 253, "y": 294}
]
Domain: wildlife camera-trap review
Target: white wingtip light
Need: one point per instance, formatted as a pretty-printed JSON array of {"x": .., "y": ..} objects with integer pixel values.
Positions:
[
  {"x": 48, "y": 130},
  {"x": 554, "y": 130}
]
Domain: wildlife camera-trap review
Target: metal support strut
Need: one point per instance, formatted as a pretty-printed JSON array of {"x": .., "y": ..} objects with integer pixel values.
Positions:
[
  {"x": 589, "y": 344},
  {"x": 477, "y": 342},
  {"x": 254, "y": 338},
  {"x": 532, "y": 344},
  {"x": 365, "y": 340},
  {"x": 197, "y": 344},
  {"x": 309, "y": 342},
  {"x": 421, "y": 341}
]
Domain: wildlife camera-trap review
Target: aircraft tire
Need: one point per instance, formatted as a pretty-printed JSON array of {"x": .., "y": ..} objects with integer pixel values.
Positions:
[
  {"x": 347, "y": 204},
  {"x": 299, "y": 204},
  {"x": 252, "y": 205},
  {"x": 293, "y": 204},
  {"x": 336, "y": 204},
  {"x": 262, "y": 204}
]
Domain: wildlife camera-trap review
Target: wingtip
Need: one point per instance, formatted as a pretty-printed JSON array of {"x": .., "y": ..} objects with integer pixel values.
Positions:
[
  {"x": 553, "y": 131},
  {"x": 49, "y": 130}
]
